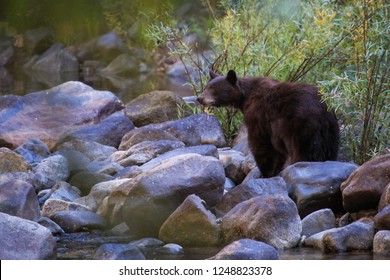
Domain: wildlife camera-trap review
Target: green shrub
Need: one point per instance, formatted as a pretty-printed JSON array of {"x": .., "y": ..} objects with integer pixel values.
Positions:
[{"x": 341, "y": 46}]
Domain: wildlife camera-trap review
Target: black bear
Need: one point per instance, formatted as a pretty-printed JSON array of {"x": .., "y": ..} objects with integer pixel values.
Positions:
[{"x": 286, "y": 122}]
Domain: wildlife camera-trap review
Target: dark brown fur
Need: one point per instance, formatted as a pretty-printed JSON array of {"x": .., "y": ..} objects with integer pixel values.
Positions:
[{"x": 287, "y": 122}]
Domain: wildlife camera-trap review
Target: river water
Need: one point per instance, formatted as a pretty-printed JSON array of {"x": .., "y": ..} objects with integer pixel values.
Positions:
[
  {"x": 80, "y": 246},
  {"x": 16, "y": 80}
]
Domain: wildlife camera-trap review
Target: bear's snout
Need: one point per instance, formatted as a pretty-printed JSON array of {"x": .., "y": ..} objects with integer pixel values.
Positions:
[
  {"x": 206, "y": 98},
  {"x": 201, "y": 100}
]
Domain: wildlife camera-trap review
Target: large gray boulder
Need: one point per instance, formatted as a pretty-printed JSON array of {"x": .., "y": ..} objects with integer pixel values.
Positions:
[
  {"x": 48, "y": 114},
  {"x": 318, "y": 221},
  {"x": 108, "y": 131},
  {"x": 22, "y": 239},
  {"x": 146, "y": 201},
  {"x": 194, "y": 130},
  {"x": 272, "y": 219},
  {"x": 191, "y": 225},
  {"x": 316, "y": 185},
  {"x": 249, "y": 189}
]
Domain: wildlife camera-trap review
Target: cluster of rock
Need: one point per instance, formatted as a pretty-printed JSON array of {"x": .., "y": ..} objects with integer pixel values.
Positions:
[
  {"x": 73, "y": 159},
  {"x": 107, "y": 54},
  {"x": 104, "y": 59}
]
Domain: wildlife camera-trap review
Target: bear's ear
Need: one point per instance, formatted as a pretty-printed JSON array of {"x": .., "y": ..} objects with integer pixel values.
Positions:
[
  {"x": 213, "y": 75},
  {"x": 232, "y": 77}
]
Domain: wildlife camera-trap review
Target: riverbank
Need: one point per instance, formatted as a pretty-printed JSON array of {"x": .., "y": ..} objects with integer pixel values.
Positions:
[{"x": 75, "y": 160}]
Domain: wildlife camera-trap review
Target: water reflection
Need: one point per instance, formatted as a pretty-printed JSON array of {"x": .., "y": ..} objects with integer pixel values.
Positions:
[
  {"x": 314, "y": 254},
  {"x": 20, "y": 82},
  {"x": 84, "y": 245}
]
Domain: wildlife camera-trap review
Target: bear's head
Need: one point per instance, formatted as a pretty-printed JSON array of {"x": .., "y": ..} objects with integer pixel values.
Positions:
[{"x": 221, "y": 91}]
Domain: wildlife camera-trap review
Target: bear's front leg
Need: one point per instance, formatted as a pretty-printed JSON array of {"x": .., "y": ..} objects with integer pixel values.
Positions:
[{"x": 269, "y": 161}]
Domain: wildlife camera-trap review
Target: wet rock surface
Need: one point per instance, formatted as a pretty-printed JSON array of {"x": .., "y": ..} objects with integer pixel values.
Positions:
[{"x": 316, "y": 185}]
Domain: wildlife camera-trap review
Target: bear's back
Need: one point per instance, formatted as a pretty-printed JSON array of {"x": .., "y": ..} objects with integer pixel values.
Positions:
[{"x": 269, "y": 99}]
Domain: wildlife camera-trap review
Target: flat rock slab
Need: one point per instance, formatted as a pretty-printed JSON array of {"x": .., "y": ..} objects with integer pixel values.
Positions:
[
  {"x": 192, "y": 131},
  {"x": 47, "y": 114}
]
